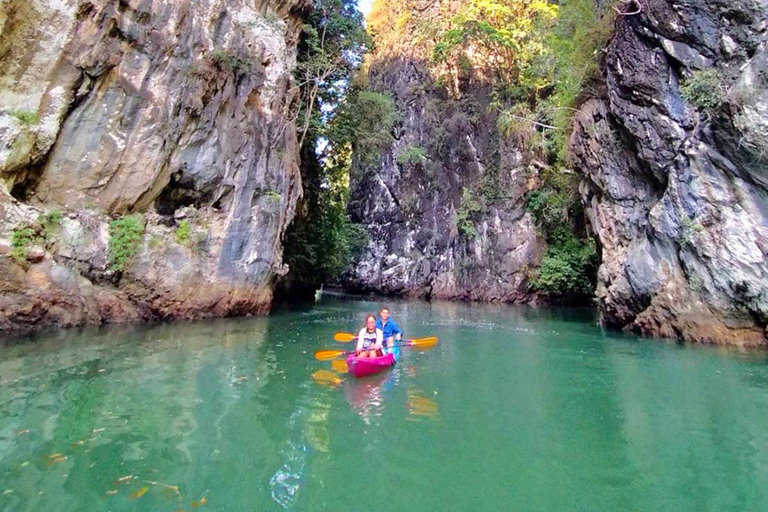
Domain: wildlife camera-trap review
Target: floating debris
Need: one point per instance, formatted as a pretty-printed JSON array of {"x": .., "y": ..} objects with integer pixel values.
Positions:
[
  {"x": 138, "y": 494},
  {"x": 111, "y": 492},
  {"x": 22, "y": 432}
]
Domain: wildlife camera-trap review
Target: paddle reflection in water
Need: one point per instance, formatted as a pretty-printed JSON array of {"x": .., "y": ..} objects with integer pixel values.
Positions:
[{"x": 420, "y": 406}]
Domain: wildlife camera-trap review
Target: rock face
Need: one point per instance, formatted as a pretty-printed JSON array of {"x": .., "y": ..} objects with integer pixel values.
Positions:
[
  {"x": 677, "y": 196},
  {"x": 443, "y": 206},
  {"x": 112, "y": 107}
]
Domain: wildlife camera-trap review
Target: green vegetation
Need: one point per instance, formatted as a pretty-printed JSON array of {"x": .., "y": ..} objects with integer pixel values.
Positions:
[
  {"x": 37, "y": 233},
  {"x": 231, "y": 62},
  {"x": 25, "y": 117},
  {"x": 569, "y": 267},
  {"x": 125, "y": 235},
  {"x": 183, "y": 233},
  {"x": 469, "y": 208},
  {"x": 705, "y": 90},
  {"x": 365, "y": 123},
  {"x": 49, "y": 222},
  {"x": 274, "y": 196},
  {"x": 334, "y": 118},
  {"x": 21, "y": 239},
  {"x": 411, "y": 154}
]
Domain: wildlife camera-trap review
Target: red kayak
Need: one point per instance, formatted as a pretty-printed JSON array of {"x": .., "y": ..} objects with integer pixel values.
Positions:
[{"x": 362, "y": 366}]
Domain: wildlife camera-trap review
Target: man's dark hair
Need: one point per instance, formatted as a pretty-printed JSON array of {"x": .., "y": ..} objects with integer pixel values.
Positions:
[{"x": 384, "y": 308}]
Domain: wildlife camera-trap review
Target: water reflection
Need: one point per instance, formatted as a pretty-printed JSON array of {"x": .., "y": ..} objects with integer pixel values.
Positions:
[
  {"x": 366, "y": 395},
  {"x": 420, "y": 405}
]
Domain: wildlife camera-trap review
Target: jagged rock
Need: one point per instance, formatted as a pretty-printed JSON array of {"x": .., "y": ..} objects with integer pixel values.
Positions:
[
  {"x": 113, "y": 107},
  {"x": 409, "y": 205},
  {"x": 677, "y": 198},
  {"x": 35, "y": 254}
]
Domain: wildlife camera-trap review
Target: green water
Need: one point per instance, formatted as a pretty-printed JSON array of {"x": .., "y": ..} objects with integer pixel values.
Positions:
[{"x": 516, "y": 409}]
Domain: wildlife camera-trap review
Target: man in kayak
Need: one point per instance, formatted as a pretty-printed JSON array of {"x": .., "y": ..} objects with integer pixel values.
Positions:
[
  {"x": 370, "y": 339},
  {"x": 389, "y": 328}
]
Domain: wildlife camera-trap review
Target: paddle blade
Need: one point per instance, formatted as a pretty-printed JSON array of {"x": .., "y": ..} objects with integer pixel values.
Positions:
[
  {"x": 344, "y": 337},
  {"x": 340, "y": 365},
  {"x": 423, "y": 342},
  {"x": 328, "y": 355}
]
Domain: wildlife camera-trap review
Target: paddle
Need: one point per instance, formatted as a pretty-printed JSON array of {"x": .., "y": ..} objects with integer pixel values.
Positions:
[
  {"x": 344, "y": 337},
  {"x": 327, "y": 355}
]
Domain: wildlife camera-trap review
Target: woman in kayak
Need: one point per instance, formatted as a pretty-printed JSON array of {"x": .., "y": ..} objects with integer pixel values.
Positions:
[{"x": 370, "y": 340}]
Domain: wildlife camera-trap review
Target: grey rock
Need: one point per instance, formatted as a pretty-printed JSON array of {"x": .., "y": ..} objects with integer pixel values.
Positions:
[
  {"x": 409, "y": 208},
  {"x": 134, "y": 107},
  {"x": 679, "y": 200}
]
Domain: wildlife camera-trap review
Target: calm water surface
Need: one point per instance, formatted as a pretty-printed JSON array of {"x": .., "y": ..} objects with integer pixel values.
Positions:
[{"x": 516, "y": 409}]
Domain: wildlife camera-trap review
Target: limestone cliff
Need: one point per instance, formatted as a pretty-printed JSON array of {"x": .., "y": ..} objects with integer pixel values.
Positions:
[
  {"x": 676, "y": 189},
  {"x": 444, "y": 204},
  {"x": 178, "y": 110}
]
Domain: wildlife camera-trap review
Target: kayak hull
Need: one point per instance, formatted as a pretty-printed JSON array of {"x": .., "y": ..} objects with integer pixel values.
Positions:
[{"x": 362, "y": 366}]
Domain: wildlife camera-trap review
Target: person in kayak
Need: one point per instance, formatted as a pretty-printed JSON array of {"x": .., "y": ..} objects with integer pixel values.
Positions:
[
  {"x": 389, "y": 328},
  {"x": 370, "y": 340}
]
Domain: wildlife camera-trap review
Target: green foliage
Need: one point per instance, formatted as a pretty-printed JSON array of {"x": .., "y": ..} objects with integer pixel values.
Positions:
[
  {"x": 21, "y": 239},
  {"x": 273, "y": 195},
  {"x": 505, "y": 36},
  {"x": 331, "y": 48},
  {"x": 231, "y": 62},
  {"x": 37, "y": 233},
  {"x": 321, "y": 247},
  {"x": 411, "y": 154},
  {"x": 469, "y": 207},
  {"x": 705, "y": 90},
  {"x": 582, "y": 31},
  {"x": 125, "y": 235},
  {"x": 565, "y": 269},
  {"x": 365, "y": 122},
  {"x": 25, "y": 117},
  {"x": 183, "y": 232},
  {"x": 569, "y": 267},
  {"x": 49, "y": 222}
]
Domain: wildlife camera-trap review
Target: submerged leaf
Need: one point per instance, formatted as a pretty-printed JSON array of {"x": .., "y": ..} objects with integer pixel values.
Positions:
[{"x": 138, "y": 494}]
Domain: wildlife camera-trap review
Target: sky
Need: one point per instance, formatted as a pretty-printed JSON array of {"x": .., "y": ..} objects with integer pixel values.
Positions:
[{"x": 364, "y": 6}]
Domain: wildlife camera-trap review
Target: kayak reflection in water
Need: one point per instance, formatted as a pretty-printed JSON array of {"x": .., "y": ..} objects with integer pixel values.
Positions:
[
  {"x": 370, "y": 340},
  {"x": 366, "y": 396},
  {"x": 389, "y": 329}
]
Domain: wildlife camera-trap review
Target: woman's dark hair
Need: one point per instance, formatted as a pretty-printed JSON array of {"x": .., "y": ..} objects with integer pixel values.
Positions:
[{"x": 370, "y": 315}]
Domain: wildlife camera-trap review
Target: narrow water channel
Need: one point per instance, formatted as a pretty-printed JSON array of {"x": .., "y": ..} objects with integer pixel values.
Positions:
[{"x": 515, "y": 409}]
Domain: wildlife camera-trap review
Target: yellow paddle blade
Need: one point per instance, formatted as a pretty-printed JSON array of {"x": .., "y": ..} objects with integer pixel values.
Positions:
[
  {"x": 340, "y": 365},
  {"x": 424, "y": 342},
  {"x": 344, "y": 337},
  {"x": 327, "y": 355}
]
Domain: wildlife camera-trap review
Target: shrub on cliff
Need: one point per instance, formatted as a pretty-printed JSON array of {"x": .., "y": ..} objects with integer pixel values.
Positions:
[
  {"x": 125, "y": 235},
  {"x": 705, "y": 90},
  {"x": 568, "y": 270}
]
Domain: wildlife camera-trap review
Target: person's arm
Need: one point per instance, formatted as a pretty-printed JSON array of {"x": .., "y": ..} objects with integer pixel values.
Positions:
[
  {"x": 398, "y": 332},
  {"x": 379, "y": 339},
  {"x": 360, "y": 337}
]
